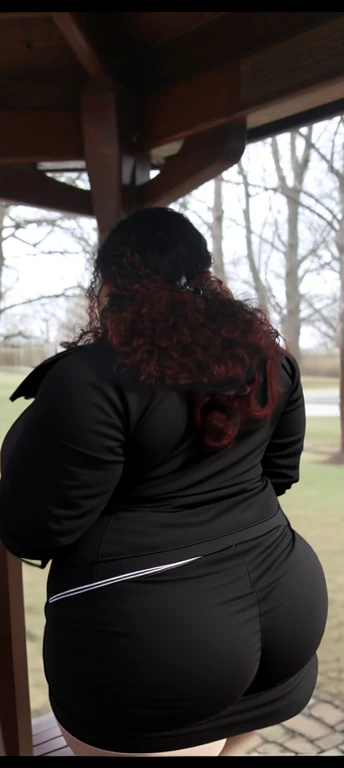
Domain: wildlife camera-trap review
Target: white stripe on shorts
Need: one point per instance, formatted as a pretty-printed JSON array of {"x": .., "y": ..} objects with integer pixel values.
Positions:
[{"x": 115, "y": 579}]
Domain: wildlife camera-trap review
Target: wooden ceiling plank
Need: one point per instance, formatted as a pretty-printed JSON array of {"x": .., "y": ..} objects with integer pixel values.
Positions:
[
  {"x": 200, "y": 159},
  {"x": 23, "y": 14},
  {"x": 32, "y": 137},
  {"x": 237, "y": 87},
  {"x": 81, "y": 41},
  {"x": 29, "y": 186},
  {"x": 48, "y": 91},
  {"x": 21, "y": 60},
  {"x": 229, "y": 34},
  {"x": 149, "y": 29}
]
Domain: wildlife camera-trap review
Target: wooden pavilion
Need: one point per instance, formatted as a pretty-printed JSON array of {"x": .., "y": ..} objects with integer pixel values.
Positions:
[{"x": 120, "y": 94}]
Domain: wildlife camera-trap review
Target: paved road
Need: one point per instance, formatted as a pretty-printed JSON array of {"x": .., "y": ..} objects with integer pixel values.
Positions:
[{"x": 322, "y": 402}]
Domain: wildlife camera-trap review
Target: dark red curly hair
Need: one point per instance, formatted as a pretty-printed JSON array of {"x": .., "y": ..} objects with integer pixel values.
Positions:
[{"x": 174, "y": 325}]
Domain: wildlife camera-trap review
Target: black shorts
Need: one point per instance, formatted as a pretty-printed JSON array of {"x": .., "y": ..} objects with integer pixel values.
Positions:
[{"x": 220, "y": 644}]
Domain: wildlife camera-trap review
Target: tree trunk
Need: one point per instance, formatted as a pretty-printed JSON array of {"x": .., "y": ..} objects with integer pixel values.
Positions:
[
  {"x": 217, "y": 231},
  {"x": 292, "y": 324},
  {"x": 259, "y": 286},
  {"x": 340, "y": 247},
  {"x": 3, "y": 212},
  {"x": 341, "y": 390},
  {"x": 292, "y": 195}
]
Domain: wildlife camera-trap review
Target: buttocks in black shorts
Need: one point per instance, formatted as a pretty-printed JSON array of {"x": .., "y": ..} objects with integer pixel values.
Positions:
[{"x": 182, "y": 608}]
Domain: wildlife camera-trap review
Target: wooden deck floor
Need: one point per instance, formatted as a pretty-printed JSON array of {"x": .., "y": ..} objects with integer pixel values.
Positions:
[{"x": 47, "y": 738}]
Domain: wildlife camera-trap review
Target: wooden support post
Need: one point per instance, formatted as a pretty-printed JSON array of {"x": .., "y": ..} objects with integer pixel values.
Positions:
[
  {"x": 15, "y": 718},
  {"x": 102, "y": 151},
  {"x": 115, "y": 173}
]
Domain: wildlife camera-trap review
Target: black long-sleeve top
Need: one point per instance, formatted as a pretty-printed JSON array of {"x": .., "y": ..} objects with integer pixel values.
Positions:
[{"x": 101, "y": 467}]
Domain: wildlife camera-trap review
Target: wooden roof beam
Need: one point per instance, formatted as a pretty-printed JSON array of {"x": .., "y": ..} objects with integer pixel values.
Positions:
[
  {"x": 80, "y": 39},
  {"x": 26, "y": 185},
  {"x": 200, "y": 159},
  {"x": 191, "y": 106}
]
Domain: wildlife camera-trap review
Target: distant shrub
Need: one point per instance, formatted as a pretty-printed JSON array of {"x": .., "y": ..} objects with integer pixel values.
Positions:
[{"x": 325, "y": 365}]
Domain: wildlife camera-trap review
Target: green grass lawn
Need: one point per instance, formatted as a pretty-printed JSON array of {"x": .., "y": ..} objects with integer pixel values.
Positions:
[
  {"x": 9, "y": 381},
  {"x": 322, "y": 436},
  {"x": 315, "y": 508}
]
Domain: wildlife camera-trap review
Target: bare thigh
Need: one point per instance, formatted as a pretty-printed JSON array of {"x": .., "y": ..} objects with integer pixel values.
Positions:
[{"x": 84, "y": 750}]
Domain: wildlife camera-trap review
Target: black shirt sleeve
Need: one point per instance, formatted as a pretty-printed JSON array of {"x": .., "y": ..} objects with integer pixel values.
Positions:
[
  {"x": 281, "y": 460},
  {"x": 63, "y": 468}
]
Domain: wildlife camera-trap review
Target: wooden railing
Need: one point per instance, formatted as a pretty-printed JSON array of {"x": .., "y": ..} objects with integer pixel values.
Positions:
[{"x": 15, "y": 717}]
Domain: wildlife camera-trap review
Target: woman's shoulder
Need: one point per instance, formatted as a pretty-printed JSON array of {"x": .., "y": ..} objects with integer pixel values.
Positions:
[
  {"x": 291, "y": 384},
  {"x": 290, "y": 369},
  {"x": 97, "y": 358}
]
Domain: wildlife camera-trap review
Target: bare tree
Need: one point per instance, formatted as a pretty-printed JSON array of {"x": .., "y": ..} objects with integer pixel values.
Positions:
[
  {"x": 333, "y": 158},
  {"x": 254, "y": 260},
  {"x": 292, "y": 191},
  {"x": 288, "y": 234},
  {"x": 217, "y": 230},
  {"x": 75, "y": 319},
  {"x": 36, "y": 232},
  {"x": 340, "y": 248},
  {"x": 210, "y": 219},
  {"x": 3, "y": 210}
]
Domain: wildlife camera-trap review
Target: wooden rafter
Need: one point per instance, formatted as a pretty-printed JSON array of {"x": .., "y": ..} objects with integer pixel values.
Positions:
[
  {"x": 81, "y": 41},
  {"x": 200, "y": 159},
  {"x": 28, "y": 186}
]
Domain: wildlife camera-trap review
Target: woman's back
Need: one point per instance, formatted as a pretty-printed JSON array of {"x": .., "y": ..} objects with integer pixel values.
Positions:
[{"x": 167, "y": 490}]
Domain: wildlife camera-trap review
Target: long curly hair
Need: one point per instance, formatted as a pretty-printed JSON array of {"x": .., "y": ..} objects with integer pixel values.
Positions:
[{"x": 174, "y": 325}]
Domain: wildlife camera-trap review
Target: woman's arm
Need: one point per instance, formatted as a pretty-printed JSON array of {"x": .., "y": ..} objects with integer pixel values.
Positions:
[
  {"x": 281, "y": 460},
  {"x": 61, "y": 473}
]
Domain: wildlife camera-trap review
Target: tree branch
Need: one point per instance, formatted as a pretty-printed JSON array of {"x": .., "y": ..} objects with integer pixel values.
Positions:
[
  {"x": 305, "y": 192},
  {"x": 17, "y": 335},
  {"x": 62, "y": 295},
  {"x": 278, "y": 166},
  {"x": 320, "y": 313},
  {"x": 256, "y": 234},
  {"x": 338, "y": 174},
  {"x": 305, "y": 159}
]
